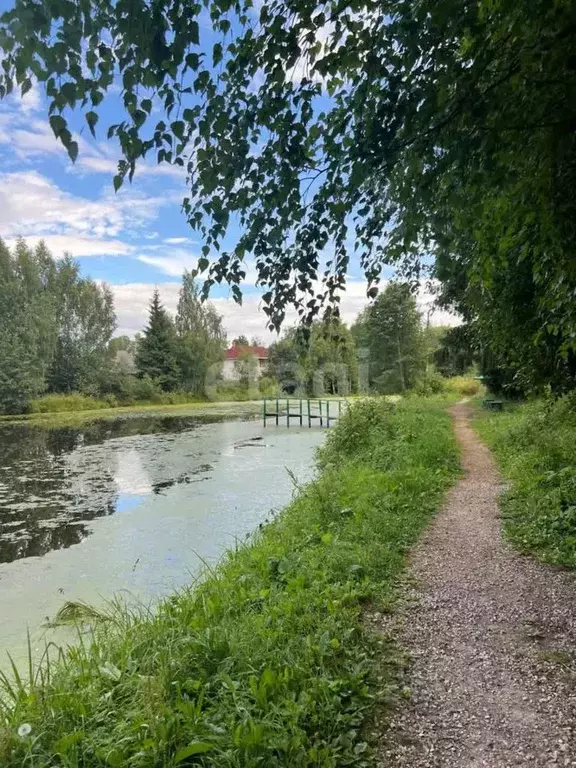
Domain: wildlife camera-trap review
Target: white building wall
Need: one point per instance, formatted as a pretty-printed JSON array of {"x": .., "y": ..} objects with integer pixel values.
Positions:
[{"x": 229, "y": 372}]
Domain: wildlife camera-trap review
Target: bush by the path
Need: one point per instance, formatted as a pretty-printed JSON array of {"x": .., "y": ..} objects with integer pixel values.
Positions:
[
  {"x": 267, "y": 662},
  {"x": 535, "y": 445}
]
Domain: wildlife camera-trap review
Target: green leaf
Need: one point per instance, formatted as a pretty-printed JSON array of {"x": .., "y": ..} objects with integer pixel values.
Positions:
[
  {"x": 92, "y": 119},
  {"x": 64, "y": 744},
  {"x": 216, "y": 54},
  {"x": 26, "y": 86},
  {"x": 117, "y": 181},
  {"x": 72, "y": 149},
  {"x": 196, "y": 748},
  {"x": 193, "y": 60},
  {"x": 58, "y": 124},
  {"x": 178, "y": 127},
  {"x": 194, "y": 33},
  {"x": 70, "y": 93}
]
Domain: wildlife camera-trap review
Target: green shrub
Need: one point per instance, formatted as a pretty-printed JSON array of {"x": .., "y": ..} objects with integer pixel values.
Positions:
[
  {"x": 430, "y": 384},
  {"x": 72, "y": 402},
  {"x": 535, "y": 445},
  {"x": 140, "y": 389},
  {"x": 268, "y": 386},
  {"x": 235, "y": 391},
  {"x": 267, "y": 662},
  {"x": 464, "y": 385}
]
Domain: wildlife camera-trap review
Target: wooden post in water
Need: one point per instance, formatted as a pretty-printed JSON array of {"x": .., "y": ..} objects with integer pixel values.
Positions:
[
  {"x": 328, "y": 412},
  {"x": 277, "y": 411},
  {"x": 339, "y": 408},
  {"x": 300, "y": 411},
  {"x": 287, "y": 412},
  {"x": 321, "y": 422},
  {"x": 264, "y": 414},
  {"x": 309, "y": 416}
]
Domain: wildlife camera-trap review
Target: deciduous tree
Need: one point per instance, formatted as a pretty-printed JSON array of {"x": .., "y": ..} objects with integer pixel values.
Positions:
[
  {"x": 201, "y": 337},
  {"x": 391, "y": 330}
]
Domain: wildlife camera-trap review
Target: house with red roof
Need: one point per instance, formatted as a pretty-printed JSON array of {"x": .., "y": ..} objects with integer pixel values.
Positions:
[{"x": 240, "y": 352}]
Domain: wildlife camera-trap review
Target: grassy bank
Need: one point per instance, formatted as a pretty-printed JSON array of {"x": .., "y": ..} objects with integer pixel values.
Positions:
[
  {"x": 98, "y": 410},
  {"x": 78, "y": 418},
  {"x": 535, "y": 445},
  {"x": 267, "y": 662}
]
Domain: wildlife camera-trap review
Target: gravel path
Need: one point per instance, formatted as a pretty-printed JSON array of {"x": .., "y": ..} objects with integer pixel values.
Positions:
[{"x": 492, "y": 638}]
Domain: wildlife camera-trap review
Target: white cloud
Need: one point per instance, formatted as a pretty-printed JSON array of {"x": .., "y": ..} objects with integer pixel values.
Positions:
[
  {"x": 91, "y": 161},
  {"x": 132, "y": 302},
  {"x": 172, "y": 265},
  {"x": 28, "y": 136},
  {"x": 97, "y": 164},
  {"x": 177, "y": 240},
  {"x": 58, "y": 245},
  {"x": 32, "y": 101},
  {"x": 33, "y": 206},
  {"x": 172, "y": 261}
]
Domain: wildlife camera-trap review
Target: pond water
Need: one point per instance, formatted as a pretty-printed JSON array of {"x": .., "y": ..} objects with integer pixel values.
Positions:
[{"x": 133, "y": 506}]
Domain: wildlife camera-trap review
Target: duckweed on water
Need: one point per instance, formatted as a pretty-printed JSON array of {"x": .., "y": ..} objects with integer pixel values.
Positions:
[{"x": 267, "y": 661}]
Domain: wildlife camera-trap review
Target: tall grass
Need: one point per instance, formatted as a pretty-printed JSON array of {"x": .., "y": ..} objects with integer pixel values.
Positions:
[
  {"x": 267, "y": 661},
  {"x": 465, "y": 386},
  {"x": 66, "y": 403},
  {"x": 59, "y": 403},
  {"x": 535, "y": 445}
]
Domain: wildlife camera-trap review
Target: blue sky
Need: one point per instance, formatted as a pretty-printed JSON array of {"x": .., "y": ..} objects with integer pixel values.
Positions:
[{"x": 133, "y": 240}]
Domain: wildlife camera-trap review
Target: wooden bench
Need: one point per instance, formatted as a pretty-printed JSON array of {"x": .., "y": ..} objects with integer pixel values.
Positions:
[{"x": 493, "y": 405}]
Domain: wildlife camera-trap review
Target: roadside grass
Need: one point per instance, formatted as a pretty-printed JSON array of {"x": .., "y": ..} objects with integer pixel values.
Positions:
[
  {"x": 535, "y": 446},
  {"x": 266, "y": 661}
]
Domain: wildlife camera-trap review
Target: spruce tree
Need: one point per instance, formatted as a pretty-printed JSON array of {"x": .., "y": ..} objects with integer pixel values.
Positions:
[{"x": 156, "y": 355}]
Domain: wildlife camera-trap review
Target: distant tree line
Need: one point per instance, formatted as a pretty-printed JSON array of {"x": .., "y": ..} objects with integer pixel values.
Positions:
[
  {"x": 56, "y": 336},
  {"x": 387, "y": 350}
]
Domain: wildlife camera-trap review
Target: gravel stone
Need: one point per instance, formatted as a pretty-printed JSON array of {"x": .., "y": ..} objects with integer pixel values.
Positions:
[{"x": 491, "y": 635}]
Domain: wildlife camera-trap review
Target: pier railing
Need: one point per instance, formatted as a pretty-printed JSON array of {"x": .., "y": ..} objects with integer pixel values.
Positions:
[{"x": 283, "y": 410}]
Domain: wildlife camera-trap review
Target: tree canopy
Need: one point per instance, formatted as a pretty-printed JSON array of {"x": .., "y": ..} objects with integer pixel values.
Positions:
[
  {"x": 391, "y": 335},
  {"x": 400, "y": 130},
  {"x": 316, "y": 359},
  {"x": 201, "y": 341},
  {"x": 55, "y": 325}
]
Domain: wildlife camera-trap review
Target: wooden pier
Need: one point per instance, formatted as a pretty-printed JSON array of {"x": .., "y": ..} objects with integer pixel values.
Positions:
[{"x": 305, "y": 410}]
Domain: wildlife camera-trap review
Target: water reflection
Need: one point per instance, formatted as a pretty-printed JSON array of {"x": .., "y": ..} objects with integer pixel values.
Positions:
[{"x": 53, "y": 482}]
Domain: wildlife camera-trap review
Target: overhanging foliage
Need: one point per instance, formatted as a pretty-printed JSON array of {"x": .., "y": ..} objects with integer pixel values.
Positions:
[{"x": 399, "y": 129}]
